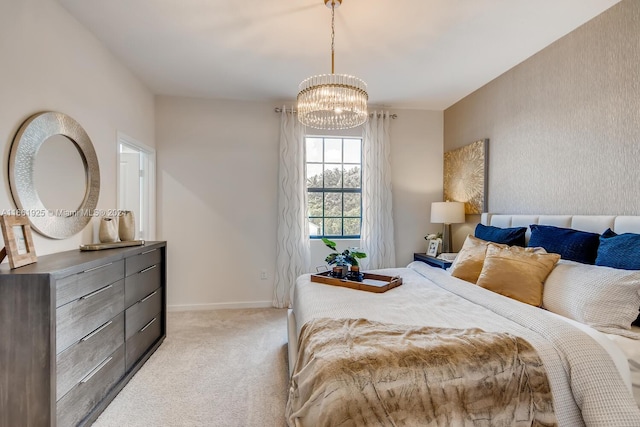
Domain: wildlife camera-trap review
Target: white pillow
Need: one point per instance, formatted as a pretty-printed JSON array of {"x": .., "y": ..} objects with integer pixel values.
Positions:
[{"x": 604, "y": 298}]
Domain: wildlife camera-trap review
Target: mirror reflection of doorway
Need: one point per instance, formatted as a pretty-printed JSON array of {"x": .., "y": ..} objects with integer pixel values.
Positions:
[{"x": 136, "y": 184}]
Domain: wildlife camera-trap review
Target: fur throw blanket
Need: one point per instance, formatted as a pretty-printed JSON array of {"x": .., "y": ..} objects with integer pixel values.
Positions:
[{"x": 355, "y": 372}]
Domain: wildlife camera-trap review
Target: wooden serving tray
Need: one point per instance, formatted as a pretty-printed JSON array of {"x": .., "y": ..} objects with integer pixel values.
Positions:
[
  {"x": 111, "y": 245},
  {"x": 371, "y": 283}
]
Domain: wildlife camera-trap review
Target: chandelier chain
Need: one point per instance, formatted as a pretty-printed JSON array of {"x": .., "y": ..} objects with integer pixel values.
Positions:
[{"x": 333, "y": 36}]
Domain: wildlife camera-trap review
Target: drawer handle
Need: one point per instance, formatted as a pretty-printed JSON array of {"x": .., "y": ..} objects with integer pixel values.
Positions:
[
  {"x": 148, "y": 252},
  {"x": 97, "y": 331},
  {"x": 147, "y": 269},
  {"x": 148, "y": 296},
  {"x": 147, "y": 325},
  {"x": 96, "y": 370},
  {"x": 98, "y": 267},
  {"x": 94, "y": 293}
]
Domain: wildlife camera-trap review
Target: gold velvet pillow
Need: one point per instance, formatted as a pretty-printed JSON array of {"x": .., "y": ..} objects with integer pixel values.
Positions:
[
  {"x": 468, "y": 264},
  {"x": 516, "y": 273}
]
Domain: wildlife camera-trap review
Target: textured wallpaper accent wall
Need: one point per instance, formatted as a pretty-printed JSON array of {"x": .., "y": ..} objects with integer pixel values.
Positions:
[{"x": 564, "y": 125}]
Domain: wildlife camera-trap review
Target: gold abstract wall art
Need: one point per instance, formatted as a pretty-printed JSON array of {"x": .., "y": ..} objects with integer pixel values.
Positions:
[{"x": 465, "y": 176}]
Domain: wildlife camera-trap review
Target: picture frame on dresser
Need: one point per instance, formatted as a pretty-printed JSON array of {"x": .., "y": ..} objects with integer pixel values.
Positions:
[{"x": 18, "y": 241}]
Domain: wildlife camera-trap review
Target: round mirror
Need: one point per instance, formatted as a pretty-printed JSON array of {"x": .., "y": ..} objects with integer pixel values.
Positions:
[
  {"x": 59, "y": 175},
  {"x": 54, "y": 174}
]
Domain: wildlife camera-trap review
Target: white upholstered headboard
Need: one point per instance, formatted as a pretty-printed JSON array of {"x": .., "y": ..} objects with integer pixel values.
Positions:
[{"x": 592, "y": 223}]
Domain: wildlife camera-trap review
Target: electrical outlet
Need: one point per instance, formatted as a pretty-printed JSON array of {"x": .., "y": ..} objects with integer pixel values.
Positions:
[{"x": 263, "y": 275}]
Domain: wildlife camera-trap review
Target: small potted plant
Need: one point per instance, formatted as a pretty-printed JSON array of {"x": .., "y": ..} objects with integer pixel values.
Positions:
[{"x": 348, "y": 257}]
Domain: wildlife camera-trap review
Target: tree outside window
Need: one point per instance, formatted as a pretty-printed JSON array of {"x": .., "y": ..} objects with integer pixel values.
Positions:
[{"x": 334, "y": 186}]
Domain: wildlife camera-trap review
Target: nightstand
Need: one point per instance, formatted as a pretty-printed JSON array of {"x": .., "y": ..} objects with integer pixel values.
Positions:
[{"x": 432, "y": 261}]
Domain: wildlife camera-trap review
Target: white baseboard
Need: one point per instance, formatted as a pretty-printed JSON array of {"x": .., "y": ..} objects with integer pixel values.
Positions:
[{"x": 219, "y": 306}]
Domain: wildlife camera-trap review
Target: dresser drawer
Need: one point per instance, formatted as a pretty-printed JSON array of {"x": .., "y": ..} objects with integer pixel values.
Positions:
[
  {"x": 140, "y": 313},
  {"x": 142, "y": 340},
  {"x": 73, "y": 287},
  {"x": 146, "y": 259},
  {"x": 79, "y": 402},
  {"x": 77, "y": 361},
  {"x": 78, "y": 318},
  {"x": 141, "y": 284}
]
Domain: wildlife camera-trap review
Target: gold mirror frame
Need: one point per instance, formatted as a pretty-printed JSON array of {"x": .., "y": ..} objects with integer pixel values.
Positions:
[{"x": 31, "y": 135}]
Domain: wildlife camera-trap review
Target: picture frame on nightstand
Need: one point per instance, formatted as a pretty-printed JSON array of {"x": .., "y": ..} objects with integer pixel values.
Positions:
[{"x": 432, "y": 249}]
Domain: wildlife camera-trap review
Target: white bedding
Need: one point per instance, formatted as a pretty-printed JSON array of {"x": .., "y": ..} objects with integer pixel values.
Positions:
[
  {"x": 625, "y": 352},
  {"x": 594, "y": 224},
  {"x": 590, "y": 386},
  {"x": 610, "y": 344},
  {"x": 631, "y": 350}
]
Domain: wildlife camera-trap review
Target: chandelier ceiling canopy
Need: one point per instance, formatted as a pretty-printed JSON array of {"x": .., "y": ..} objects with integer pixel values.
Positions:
[{"x": 332, "y": 101}]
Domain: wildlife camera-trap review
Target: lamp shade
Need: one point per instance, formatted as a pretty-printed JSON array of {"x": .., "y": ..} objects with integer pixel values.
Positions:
[{"x": 447, "y": 212}]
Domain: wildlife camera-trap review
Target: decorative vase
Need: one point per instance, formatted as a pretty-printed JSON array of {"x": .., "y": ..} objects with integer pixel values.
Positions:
[
  {"x": 127, "y": 226},
  {"x": 108, "y": 231}
]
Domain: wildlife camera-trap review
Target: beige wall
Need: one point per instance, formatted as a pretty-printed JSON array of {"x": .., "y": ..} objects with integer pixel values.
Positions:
[
  {"x": 217, "y": 188},
  {"x": 564, "y": 125},
  {"x": 416, "y": 178},
  {"x": 51, "y": 62},
  {"x": 217, "y": 195}
]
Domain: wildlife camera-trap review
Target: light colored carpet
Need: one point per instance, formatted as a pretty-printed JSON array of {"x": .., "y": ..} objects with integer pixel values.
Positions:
[{"x": 215, "y": 368}]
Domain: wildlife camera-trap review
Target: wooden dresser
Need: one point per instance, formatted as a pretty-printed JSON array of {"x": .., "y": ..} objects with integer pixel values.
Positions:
[{"x": 74, "y": 328}]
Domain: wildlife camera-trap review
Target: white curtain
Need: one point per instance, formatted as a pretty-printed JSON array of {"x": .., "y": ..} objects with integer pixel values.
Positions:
[
  {"x": 293, "y": 249},
  {"x": 376, "y": 236}
]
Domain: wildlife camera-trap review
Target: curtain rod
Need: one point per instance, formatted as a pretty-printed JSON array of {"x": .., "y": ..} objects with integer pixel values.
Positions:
[{"x": 279, "y": 110}]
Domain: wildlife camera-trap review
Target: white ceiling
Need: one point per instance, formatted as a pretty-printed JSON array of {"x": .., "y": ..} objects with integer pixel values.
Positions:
[{"x": 412, "y": 53}]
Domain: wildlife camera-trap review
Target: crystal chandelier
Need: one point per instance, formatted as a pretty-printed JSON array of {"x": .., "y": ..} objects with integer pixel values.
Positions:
[{"x": 332, "y": 101}]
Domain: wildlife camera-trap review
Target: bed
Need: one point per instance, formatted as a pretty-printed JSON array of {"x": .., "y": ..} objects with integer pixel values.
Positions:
[{"x": 568, "y": 373}]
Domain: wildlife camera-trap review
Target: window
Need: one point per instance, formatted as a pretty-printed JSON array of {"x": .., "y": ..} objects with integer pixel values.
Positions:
[{"x": 334, "y": 186}]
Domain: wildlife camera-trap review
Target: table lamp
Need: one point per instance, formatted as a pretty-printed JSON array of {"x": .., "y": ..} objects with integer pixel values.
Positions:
[{"x": 447, "y": 213}]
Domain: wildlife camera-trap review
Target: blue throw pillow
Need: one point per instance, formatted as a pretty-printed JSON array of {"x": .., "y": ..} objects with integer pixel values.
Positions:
[
  {"x": 574, "y": 245},
  {"x": 508, "y": 236},
  {"x": 619, "y": 250}
]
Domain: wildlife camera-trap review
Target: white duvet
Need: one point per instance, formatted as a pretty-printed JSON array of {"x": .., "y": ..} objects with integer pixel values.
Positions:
[
  {"x": 590, "y": 384},
  {"x": 631, "y": 350}
]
